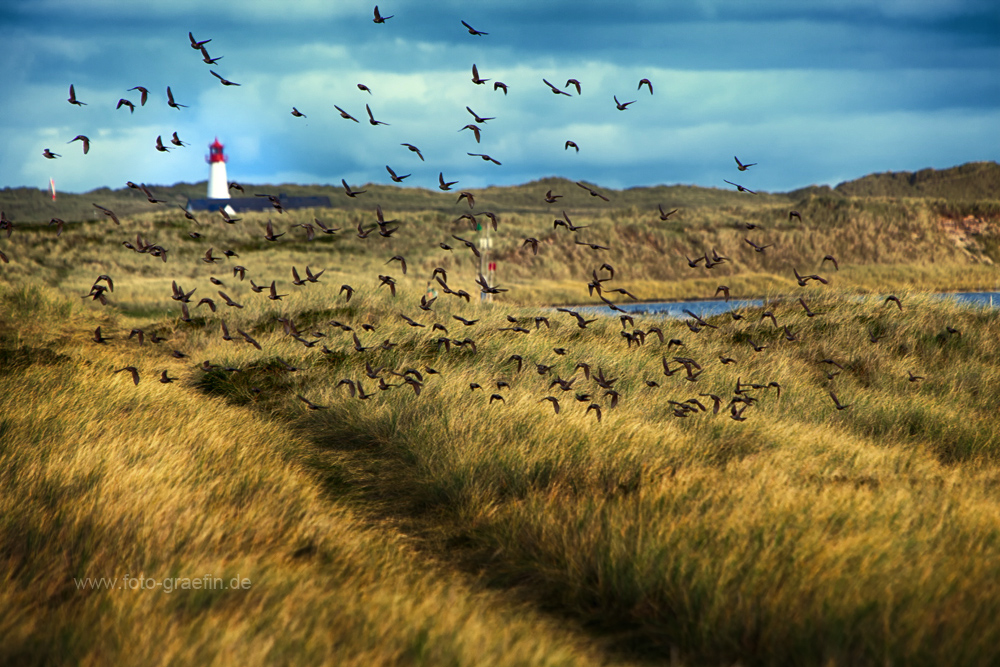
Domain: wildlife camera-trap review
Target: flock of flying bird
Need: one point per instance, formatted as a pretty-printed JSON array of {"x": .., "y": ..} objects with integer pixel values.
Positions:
[{"x": 686, "y": 368}]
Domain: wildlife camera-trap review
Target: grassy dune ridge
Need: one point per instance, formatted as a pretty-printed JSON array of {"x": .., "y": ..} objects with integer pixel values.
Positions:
[{"x": 445, "y": 528}]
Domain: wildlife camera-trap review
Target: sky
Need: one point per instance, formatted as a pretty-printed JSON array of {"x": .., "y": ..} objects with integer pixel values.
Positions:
[{"x": 814, "y": 92}]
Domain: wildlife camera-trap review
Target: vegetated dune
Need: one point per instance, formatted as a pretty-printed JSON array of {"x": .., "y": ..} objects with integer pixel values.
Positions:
[{"x": 811, "y": 489}]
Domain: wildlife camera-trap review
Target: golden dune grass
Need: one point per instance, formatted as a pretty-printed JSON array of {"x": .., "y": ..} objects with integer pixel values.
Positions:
[{"x": 445, "y": 529}]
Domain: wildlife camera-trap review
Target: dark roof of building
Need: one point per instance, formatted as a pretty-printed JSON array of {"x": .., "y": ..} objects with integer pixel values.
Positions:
[{"x": 241, "y": 204}]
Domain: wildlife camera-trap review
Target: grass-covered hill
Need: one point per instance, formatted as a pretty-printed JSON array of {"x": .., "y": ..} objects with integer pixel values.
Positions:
[
  {"x": 968, "y": 182},
  {"x": 979, "y": 181},
  {"x": 412, "y": 478}
]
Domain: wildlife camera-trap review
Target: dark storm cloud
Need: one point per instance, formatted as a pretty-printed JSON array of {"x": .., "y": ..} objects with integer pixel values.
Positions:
[{"x": 816, "y": 92}]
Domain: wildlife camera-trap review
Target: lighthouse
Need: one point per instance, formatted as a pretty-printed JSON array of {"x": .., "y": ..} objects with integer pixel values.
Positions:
[{"x": 218, "y": 185}]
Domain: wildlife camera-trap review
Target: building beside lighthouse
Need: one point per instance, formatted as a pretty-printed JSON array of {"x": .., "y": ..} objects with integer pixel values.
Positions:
[{"x": 219, "y": 195}]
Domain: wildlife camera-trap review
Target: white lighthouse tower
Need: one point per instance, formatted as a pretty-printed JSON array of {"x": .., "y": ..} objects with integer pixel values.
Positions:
[{"x": 218, "y": 185}]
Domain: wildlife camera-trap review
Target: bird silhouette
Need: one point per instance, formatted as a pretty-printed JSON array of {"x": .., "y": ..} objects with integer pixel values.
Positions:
[
  {"x": 475, "y": 76},
  {"x": 485, "y": 157},
  {"x": 108, "y": 212},
  {"x": 344, "y": 114},
  {"x": 442, "y": 185},
  {"x": 622, "y": 105},
  {"x": 207, "y": 59},
  {"x": 475, "y": 130},
  {"x": 395, "y": 178},
  {"x": 740, "y": 187},
  {"x": 195, "y": 44},
  {"x": 171, "y": 102},
  {"x": 664, "y": 215},
  {"x": 349, "y": 192},
  {"x": 224, "y": 81},
  {"x": 593, "y": 193},
  {"x": 414, "y": 149},
  {"x": 647, "y": 83},
  {"x": 371, "y": 118},
  {"x": 72, "y": 97},
  {"x": 84, "y": 139},
  {"x": 837, "y": 403},
  {"x": 555, "y": 90},
  {"x": 143, "y": 93},
  {"x": 133, "y": 371},
  {"x": 477, "y": 117},
  {"x": 379, "y": 18},
  {"x": 473, "y": 31}
]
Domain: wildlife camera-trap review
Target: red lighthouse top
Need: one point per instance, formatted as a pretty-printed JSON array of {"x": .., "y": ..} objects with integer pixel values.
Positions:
[{"x": 215, "y": 152}]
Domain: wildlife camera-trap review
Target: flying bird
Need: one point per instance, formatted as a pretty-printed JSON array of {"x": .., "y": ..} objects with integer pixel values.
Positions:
[
  {"x": 133, "y": 371},
  {"x": 648, "y": 83},
  {"x": 379, "y": 18},
  {"x": 622, "y": 105},
  {"x": 485, "y": 157},
  {"x": 741, "y": 166},
  {"x": 122, "y": 102},
  {"x": 349, "y": 191},
  {"x": 575, "y": 84},
  {"x": 571, "y": 144},
  {"x": 143, "y": 95},
  {"x": 195, "y": 44},
  {"x": 444, "y": 185},
  {"x": 760, "y": 248},
  {"x": 269, "y": 232},
  {"x": 50, "y": 155},
  {"x": 362, "y": 87},
  {"x": 159, "y": 144},
  {"x": 176, "y": 141},
  {"x": 837, "y": 402},
  {"x": 475, "y": 76},
  {"x": 84, "y": 139},
  {"x": 473, "y": 31},
  {"x": 555, "y": 90},
  {"x": 371, "y": 118},
  {"x": 475, "y": 130},
  {"x": 225, "y": 82},
  {"x": 207, "y": 59},
  {"x": 171, "y": 102},
  {"x": 72, "y": 97},
  {"x": 414, "y": 149},
  {"x": 478, "y": 118},
  {"x": 248, "y": 339},
  {"x": 664, "y": 215},
  {"x": 593, "y": 193},
  {"x": 740, "y": 187},
  {"x": 108, "y": 212},
  {"x": 297, "y": 113},
  {"x": 395, "y": 178},
  {"x": 501, "y": 86},
  {"x": 344, "y": 114}
]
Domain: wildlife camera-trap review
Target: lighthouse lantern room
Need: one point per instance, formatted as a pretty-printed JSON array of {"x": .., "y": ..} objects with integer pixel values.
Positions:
[{"x": 218, "y": 185}]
